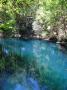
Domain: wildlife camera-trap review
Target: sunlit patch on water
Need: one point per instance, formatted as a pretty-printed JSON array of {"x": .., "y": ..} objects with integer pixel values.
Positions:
[{"x": 19, "y": 81}]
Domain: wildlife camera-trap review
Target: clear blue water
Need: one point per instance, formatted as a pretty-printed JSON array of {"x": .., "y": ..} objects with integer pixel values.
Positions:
[{"x": 49, "y": 60}]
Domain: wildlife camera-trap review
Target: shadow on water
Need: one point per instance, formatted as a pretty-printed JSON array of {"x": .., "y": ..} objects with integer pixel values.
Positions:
[{"x": 32, "y": 65}]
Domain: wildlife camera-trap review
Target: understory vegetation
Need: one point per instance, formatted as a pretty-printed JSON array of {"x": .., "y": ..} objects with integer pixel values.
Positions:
[{"x": 43, "y": 18}]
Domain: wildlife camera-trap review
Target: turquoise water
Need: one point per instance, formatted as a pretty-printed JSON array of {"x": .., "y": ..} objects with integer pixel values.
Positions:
[{"x": 47, "y": 65}]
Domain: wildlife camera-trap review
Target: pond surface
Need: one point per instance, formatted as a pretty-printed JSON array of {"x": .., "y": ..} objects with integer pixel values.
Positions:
[{"x": 35, "y": 65}]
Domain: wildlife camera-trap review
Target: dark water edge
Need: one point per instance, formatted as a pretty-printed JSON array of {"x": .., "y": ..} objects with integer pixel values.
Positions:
[{"x": 29, "y": 66}]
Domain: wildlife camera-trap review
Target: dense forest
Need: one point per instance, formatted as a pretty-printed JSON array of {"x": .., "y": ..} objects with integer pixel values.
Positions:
[{"x": 41, "y": 18}]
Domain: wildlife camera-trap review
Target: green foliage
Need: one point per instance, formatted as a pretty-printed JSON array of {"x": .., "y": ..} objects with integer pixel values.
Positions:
[
  {"x": 8, "y": 25},
  {"x": 9, "y": 9},
  {"x": 8, "y": 28},
  {"x": 53, "y": 11}
]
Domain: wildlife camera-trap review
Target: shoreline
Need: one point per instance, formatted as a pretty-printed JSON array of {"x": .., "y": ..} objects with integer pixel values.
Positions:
[
  {"x": 38, "y": 38},
  {"x": 62, "y": 45}
]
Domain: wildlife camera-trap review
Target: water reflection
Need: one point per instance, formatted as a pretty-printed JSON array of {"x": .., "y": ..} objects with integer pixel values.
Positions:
[
  {"x": 19, "y": 87},
  {"x": 33, "y": 65}
]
